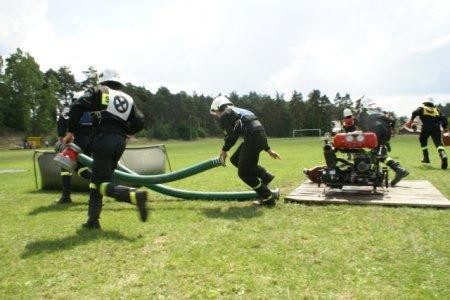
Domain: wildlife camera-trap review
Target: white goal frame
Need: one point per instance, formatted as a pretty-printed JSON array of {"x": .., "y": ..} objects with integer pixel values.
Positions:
[{"x": 307, "y": 129}]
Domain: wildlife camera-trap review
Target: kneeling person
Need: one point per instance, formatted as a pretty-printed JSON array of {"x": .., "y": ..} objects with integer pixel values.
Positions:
[{"x": 378, "y": 123}]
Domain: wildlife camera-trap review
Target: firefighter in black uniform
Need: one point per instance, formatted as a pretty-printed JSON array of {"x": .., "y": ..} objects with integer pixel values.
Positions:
[
  {"x": 432, "y": 120},
  {"x": 82, "y": 139},
  {"x": 237, "y": 122},
  {"x": 377, "y": 122},
  {"x": 114, "y": 116},
  {"x": 389, "y": 116}
]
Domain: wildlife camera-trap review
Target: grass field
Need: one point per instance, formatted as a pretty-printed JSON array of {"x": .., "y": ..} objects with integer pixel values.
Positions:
[{"x": 206, "y": 249}]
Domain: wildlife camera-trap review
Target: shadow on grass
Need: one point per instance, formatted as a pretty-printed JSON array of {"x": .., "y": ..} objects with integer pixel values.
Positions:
[
  {"x": 82, "y": 236},
  {"x": 425, "y": 167},
  {"x": 56, "y": 193},
  {"x": 233, "y": 213},
  {"x": 54, "y": 207}
]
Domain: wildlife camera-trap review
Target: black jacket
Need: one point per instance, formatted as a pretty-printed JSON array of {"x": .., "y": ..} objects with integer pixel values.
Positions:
[
  {"x": 96, "y": 101},
  {"x": 84, "y": 125},
  {"x": 237, "y": 122},
  {"x": 430, "y": 115}
]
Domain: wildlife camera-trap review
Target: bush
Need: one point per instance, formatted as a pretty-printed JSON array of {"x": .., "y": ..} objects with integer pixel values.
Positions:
[
  {"x": 201, "y": 133},
  {"x": 142, "y": 134},
  {"x": 183, "y": 132},
  {"x": 161, "y": 131}
]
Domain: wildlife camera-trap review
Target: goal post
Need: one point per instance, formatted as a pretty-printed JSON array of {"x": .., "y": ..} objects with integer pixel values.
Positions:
[{"x": 307, "y": 132}]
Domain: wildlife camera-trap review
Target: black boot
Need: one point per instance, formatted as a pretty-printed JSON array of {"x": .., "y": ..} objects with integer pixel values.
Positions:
[
  {"x": 400, "y": 172},
  {"x": 125, "y": 194},
  {"x": 388, "y": 147},
  {"x": 94, "y": 210},
  {"x": 426, "y": 157},
  {"x": 444, "y": 159},
  {"x": 66, "y": 187},
  {"x": 141, "y": 204},
  {"x": 270, "y": 200},
  {"x": 92, "y": 224},
  {"x": 65, "y": 197}
]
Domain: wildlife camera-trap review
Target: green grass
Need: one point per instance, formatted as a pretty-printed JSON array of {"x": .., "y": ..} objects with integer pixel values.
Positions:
[{"x": 202, "y": 249}]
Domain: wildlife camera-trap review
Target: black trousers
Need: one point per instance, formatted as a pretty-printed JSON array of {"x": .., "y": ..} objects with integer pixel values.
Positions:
[
  {"x": 84, "y": 142},
  {"x": 434, "y": 131},
  {"x": 383, "y": 133},
  {"x": 106, "y": 152},
  {"x": 246, "y": 159}
]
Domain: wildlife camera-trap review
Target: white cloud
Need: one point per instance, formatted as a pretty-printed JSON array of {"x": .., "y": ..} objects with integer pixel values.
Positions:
[
  {"x": 403, "y": 105},
  {"x": 18, "y": 19},
  {"x": 435, "y": 44},
  {"x": 393, "y": 51},
  {"x": 329, "y": 63}
]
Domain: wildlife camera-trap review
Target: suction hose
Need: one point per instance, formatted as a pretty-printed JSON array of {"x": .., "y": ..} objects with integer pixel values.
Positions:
[
  {"x": 150, "y": 181},
  {"x": 161, "y": 178},
  {"x": 241, "y": 196}
]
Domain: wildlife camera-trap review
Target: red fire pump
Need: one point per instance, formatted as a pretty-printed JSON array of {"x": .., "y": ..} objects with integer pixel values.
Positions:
[
  {"x": 355, "y": 140},
  {"x": 362, "y": 166}
]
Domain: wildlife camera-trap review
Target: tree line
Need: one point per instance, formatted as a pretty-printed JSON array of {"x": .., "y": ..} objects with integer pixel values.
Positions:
[{"x": 30, "y": 100}]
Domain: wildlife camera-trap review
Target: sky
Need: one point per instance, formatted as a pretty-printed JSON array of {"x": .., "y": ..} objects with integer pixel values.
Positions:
[{"x": 396, "y": 53}]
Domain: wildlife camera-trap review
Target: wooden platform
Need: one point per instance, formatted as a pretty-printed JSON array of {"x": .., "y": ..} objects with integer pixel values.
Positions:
[{"x": 417, "y": 193}]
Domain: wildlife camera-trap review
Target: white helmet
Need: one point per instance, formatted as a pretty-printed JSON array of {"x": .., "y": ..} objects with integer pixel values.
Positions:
[
  {"x": 77, "y": 95},
  {"x": 219, "y": 102},
  {"x": 429, "y": 100},
  {"x": 109, "y": 75},
  {"x": 347, "y": 112}
]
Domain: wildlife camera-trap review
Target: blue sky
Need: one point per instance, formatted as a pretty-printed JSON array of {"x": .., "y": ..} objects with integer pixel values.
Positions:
[{"x": 394, "y": 52}]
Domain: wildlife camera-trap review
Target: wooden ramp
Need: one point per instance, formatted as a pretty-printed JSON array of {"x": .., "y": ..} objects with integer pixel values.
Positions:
[{"x": 417, "y": 193}]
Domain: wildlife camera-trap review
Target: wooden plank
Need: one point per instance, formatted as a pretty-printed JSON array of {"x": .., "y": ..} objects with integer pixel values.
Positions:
[{"x": 416, "y": 193}]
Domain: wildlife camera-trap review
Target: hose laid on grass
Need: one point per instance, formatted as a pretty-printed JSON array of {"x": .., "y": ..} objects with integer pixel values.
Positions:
[
  {"x": 241, "y": 196},
  {"x": 150, "y": 181}
]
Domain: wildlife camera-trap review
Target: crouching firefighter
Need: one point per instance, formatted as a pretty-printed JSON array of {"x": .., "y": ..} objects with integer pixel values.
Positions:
[
  {"x": 237, "y": 122},
  {"x": 114, "y": 116},
  {"x": 83, "y": 140},
  {"x": 378, "y": 123}
]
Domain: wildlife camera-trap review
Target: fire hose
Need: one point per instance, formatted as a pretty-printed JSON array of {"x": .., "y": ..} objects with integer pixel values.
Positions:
[
  {"x": 241, "y": 196},
  {"x": 72, "y": 153},
  {"x": 150, "y": 181}
]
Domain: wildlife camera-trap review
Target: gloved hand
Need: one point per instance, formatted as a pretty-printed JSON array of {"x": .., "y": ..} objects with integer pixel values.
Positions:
[
  {"x": 68, "y": 138},
  {"x": 408, "y": 124},
  {"x": 223, "y": 156},
  {"x": 273, "y": 154}
]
